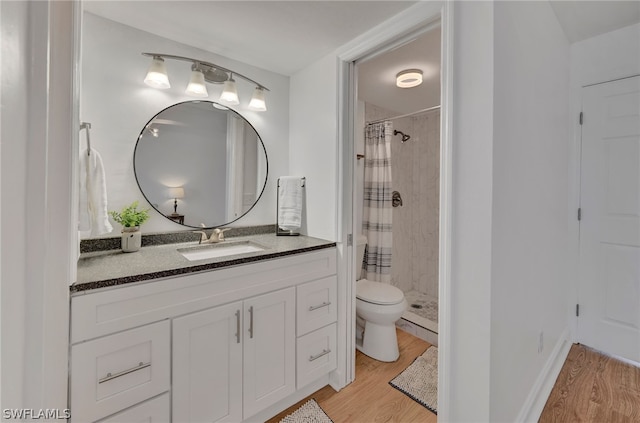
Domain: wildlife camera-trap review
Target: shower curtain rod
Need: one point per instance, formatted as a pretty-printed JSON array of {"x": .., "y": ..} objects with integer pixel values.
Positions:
[{"x": 407, "y": 115}]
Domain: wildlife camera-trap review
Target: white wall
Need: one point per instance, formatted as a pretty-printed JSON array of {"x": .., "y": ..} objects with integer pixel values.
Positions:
[
  {"x": 313, "y": 143},
  {"x": 118, "y": 104},
  {"x": 606, "y": 57},
  {"x": 472, "y": 143},
  {"x": 37, "y": 162},
  {"x": 530, "y": 286},
  {"x": 13, "y": 156}
]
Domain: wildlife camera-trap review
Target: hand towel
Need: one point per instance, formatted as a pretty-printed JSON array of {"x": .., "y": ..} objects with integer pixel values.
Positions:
[
  {"x": 290, "y": 203},
  {"x": 92, "y": 205}
]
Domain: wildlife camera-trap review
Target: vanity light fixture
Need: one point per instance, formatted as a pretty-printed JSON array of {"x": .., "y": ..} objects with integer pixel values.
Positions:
[
  {"x": 409, "y": 78},
  {"x": 202, "y": 72}
]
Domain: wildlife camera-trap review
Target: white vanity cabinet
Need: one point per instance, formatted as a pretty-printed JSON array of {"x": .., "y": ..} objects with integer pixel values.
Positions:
[
  {"x": 235, "y": 359},
  {"x": 228, "y": 345}
]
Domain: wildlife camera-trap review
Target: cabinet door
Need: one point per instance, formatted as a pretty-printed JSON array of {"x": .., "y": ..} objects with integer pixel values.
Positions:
[
  {"x": 269, "y": 349},
  {"x": 207, "y": 365}
]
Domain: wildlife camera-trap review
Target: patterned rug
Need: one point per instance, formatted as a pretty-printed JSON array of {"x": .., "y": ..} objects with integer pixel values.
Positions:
[
  {"x": 309, "y": 412},
  {"x": 420, "y": 380}
]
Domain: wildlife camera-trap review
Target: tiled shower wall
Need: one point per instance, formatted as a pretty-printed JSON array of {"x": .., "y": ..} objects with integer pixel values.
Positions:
[{"x": 415, "y": 167}]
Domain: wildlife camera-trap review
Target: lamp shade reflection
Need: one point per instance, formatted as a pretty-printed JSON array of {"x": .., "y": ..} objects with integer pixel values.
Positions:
[{"x": 175, "y": 193}]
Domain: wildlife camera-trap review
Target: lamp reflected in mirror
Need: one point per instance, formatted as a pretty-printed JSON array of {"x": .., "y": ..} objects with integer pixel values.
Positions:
[{"x": 175, "y": 193}]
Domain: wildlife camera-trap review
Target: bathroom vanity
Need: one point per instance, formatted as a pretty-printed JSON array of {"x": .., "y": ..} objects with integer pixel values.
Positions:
[{"x": 157, "y": 337}]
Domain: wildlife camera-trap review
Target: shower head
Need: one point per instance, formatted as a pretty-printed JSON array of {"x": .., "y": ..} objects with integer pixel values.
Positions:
[{"x": 405, "y": 137}]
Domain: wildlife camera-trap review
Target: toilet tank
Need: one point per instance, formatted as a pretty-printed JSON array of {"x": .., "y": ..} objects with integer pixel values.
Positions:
[{"x": 361, "y": 243}]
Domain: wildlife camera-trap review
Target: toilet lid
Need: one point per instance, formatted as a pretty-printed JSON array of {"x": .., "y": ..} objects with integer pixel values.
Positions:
[{"x": 378, "y": 293}]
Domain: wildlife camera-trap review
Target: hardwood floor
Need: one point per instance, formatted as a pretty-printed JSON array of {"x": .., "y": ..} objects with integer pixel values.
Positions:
[
  {"x": 593, "y": 387},
  {"x": 370, "y": 398}
]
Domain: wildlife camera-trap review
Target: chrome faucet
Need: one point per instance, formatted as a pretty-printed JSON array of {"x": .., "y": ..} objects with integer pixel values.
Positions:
[{"x": 216, "y": 236}]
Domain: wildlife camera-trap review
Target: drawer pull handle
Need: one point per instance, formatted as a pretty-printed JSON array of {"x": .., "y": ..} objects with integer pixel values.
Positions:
[
  {"x": 251, "y": 322},
  {"x": 323, "y": 353},
  {"x": 110, "y": 376},
  {"x": 326, "y": 303},
  {"x": 237, "y": 326}
]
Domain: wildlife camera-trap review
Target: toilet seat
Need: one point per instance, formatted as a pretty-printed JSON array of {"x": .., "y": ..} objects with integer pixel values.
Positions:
[{"x": 378, "y": 293}]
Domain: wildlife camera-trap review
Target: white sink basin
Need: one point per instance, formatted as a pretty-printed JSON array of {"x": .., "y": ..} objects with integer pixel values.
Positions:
[{"x": 224, "y": 249}]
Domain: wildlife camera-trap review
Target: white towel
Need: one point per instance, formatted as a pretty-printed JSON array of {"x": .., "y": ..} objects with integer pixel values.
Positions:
[
  {"x": 290, "y": 203},
  {"x": 92, "y": 205}
]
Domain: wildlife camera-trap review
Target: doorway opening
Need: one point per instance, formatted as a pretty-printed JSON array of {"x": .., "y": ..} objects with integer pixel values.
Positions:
[{"x": 414, "y": 164}]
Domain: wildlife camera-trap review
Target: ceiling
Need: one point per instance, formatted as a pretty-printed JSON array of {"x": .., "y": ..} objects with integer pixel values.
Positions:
[
  {"x": 585, "y": 19},
  {"x": 286, "y": 36},
  {"x": 377, "y": 76},
  {"x": 280, "y": 36}
]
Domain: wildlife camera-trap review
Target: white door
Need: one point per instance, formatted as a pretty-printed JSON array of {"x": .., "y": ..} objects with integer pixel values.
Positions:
[
  {"x": 207, "y": 365},
  {"x": 609, "y": 293},
  {"x": 269, "y": 349}
]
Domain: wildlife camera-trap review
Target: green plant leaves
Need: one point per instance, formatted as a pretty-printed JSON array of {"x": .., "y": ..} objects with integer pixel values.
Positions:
[{"x": 130, "y": 216}]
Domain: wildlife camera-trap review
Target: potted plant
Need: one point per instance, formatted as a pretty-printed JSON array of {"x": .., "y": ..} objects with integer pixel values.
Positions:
[{"x": 131, "y": 218}]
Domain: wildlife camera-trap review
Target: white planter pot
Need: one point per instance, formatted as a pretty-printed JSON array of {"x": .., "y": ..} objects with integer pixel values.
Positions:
[{"x": 131, "y": 239}]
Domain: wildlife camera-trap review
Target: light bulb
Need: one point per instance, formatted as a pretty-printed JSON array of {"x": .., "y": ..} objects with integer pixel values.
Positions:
[
  {"x": 230, "y": 93},
  {"x": 157, "y": 74},
  {"x": 257, "y": 102},
  {"x": 196, "y": 87}
]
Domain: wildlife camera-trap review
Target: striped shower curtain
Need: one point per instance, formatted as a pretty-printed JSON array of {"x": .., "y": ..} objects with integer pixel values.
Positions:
[{"x": 377, "y": 212}]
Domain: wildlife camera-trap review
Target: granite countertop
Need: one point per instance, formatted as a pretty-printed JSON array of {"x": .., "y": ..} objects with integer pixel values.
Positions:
[{"x": 110, "y": 268}]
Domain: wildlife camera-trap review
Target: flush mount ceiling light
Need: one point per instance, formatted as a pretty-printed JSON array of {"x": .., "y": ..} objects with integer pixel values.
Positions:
[
  {"x": 205, "y": 72},
  {"x": 409, "y": 78}
]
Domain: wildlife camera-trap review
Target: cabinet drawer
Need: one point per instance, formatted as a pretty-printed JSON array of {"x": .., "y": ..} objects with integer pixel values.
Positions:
[
  {"x": 316, "y": 355},
  {"x": 316, "y": 304},
  {"x": 117, "y": 371},
  {"x": 153, "y": 411}
]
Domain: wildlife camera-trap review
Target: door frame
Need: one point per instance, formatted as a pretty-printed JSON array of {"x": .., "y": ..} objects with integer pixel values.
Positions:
[{"x": 376, "y": 40}]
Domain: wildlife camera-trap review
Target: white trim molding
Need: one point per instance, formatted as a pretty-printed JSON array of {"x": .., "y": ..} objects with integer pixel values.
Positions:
[
  {"x": 445, "y": 294},
  {"x": 537, "y": 398}
]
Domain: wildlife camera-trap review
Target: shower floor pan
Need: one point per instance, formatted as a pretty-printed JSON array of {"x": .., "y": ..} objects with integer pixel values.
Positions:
[{"x": 422, "y": 310}]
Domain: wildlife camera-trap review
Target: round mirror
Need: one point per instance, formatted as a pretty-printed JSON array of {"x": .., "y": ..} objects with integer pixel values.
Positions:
[{"x": 200, "y": 164}]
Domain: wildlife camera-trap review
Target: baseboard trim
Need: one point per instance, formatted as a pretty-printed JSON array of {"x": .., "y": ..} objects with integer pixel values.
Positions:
[{"x": 537, "y": 398}]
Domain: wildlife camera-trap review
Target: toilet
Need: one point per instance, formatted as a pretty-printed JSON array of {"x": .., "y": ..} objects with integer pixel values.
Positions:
[{"x": 378, "y": 307}]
